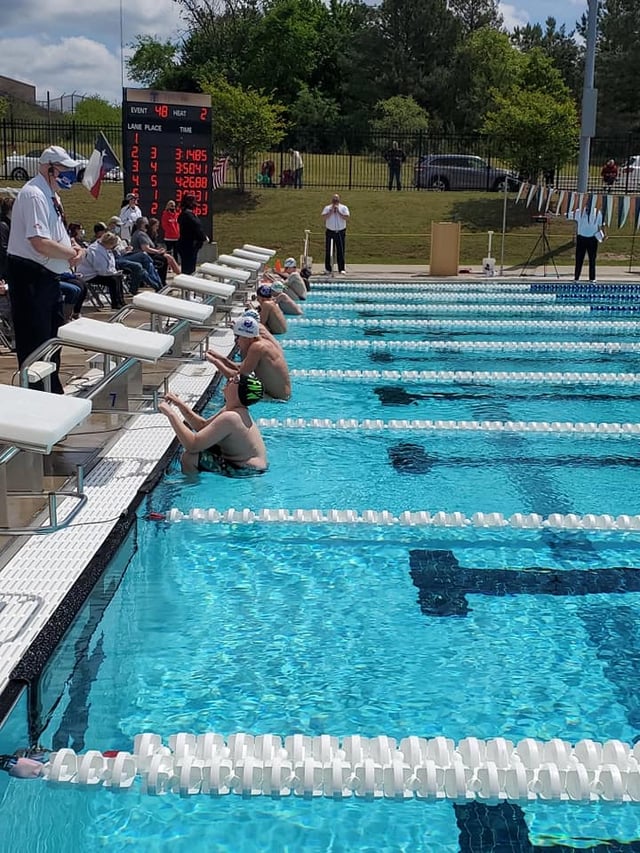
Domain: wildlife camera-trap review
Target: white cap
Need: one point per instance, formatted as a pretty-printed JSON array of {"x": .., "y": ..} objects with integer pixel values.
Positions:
[
  {"x": 246, "y": 327},
  {"x": 290, "y": 262},
  {"x": 56, "y": 154}
]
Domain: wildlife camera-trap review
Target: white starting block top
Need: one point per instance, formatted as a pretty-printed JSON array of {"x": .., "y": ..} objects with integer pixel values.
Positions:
[
  {"x": 251, "y": 256},
  {"x": 116, "y": 339},
  {"x": 36, "y": 420},
  {"x": 240, "y": 263},
  {"x": 170, "y": 306},
  {"x": 203, "y": 286},
  {"x": 248, "y": 247},
  {"x": 225, "y": 273}
]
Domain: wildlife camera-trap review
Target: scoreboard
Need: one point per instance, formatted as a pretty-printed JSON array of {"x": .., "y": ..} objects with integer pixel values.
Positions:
[{"x": 167, "y": 150}]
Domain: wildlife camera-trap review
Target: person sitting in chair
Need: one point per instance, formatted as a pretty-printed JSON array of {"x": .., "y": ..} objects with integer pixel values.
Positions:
[{"x": 98, "y": 267}]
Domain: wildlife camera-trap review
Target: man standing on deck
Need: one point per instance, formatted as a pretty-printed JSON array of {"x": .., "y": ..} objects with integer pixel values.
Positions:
[
  {"x": 39, "y": 251},
  {"x": 335, "y": 217}
]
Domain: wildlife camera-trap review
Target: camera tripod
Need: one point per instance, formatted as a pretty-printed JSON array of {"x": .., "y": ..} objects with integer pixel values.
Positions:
[{"x": 541, "y": 242}]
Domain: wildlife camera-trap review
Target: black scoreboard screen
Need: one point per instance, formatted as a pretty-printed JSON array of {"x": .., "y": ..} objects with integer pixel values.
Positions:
[{"x": 167, "y": 149}]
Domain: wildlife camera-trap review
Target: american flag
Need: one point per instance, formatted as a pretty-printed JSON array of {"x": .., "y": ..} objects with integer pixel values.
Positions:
[{"x": 220, "y": 172}]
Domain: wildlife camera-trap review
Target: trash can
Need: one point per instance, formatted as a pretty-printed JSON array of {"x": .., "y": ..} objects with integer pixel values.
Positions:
[{"x": 445, "y": 248}]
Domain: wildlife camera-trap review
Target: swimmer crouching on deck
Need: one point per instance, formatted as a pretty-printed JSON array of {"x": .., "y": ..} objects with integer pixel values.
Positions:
[{"x": 229, "y": 443}]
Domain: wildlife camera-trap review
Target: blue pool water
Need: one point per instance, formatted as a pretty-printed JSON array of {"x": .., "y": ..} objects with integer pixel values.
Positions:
[{"x": 373, "y": 630}]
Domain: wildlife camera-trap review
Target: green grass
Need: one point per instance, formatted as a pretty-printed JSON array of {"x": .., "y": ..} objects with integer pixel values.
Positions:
[{"x": 385, "y": 227}]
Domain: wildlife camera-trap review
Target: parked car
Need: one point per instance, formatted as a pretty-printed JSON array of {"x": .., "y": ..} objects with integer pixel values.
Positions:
[
  {"x": 460, "y": 172},
  {"x": 22, "y": 167},
  {"x": 629, "y": 174}
]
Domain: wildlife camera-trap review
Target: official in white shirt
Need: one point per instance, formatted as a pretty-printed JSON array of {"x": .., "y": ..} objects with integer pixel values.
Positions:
[
  {"x": 589, "y": 234},
  {"x": 335, "y": 217},
  {"x": 39, "y": 250}
]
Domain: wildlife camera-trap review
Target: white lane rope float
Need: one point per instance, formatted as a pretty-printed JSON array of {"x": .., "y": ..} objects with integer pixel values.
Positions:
[
  {"x": 421, "y": 286},
  {"x": 409, "y": 518},
  {"x": 615, "y": 326},
  {"x": 373, "y": 299},
  {"x": 472, "y": 376},
  {"x": 395, "y": 425},
  {"x": 465, "y": 346},
  {"x": 453, "y": 308},
  {"x": 427, "y": 769}
]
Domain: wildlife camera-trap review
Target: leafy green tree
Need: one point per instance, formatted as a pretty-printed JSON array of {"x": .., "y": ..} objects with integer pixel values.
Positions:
[
  {"x": 559, "y": 45},
  {"x": 244, "y": 122},
  {"x": 95, "y": 110},
  {"x": 536, "y": 123},
  {"x": 316, "y": 120},
  {"x": 4, "y": 107},
  {"x": 477, "y": 14},
  {"x": 398, "y": 117},
  {"x": 153, "y": 61},
  {"x": 486, "y": 65},
  {"x": 618, "y": 67}
]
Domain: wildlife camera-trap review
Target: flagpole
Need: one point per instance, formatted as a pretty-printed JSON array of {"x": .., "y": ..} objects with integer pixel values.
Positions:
[{"x": 121, "y": 45}]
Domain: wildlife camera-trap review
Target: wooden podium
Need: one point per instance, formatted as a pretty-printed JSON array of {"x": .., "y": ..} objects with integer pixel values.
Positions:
[{"x": 445, "y": 248}]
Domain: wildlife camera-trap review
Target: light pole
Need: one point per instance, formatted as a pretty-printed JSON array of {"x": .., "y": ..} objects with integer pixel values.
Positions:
[{"x": 589, "y": 99}]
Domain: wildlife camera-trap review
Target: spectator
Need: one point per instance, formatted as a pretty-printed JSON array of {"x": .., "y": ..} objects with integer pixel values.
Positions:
[
  {"x": 139, "y": 266},
  {"x": 170, "y": 227},
  {"x": 165, "y": 260},
  {"x": 141, "y": 241},
  {"x": 99, "y": 267},
  {"x": 39, "y": 250},
  {"x": 395, "y": 157},
  {"x": 192, "y": 235},
  {"x": 268, "y": 170},
  {"x": 129, "y": 215},
  {"x": 335, "y": 217},
  {"x": 609, "y": 173},
  {"x": 77, "y": 234},
  {"x": 297, "y": 167},
  {"x": 5, "y": 227}
]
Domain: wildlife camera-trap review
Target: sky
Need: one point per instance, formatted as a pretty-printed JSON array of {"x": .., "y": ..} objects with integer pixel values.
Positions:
[{"x": 62, "y": 46}]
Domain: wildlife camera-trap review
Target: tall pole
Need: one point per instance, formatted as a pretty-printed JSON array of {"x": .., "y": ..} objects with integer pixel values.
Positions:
[
  {"x": 121, "y": 45},
  {"x": 589, "y": 99}
]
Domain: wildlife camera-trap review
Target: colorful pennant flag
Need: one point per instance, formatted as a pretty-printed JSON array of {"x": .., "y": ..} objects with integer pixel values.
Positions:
[
  {"x": 219, "y": 173},
  {"x": 521, "y": 190},
  {"x": 624, "y": 205},
  {"x": 532, "y": 192}
]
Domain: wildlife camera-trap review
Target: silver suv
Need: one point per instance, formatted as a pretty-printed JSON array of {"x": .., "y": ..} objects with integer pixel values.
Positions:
[{"x": 460, "y": 172}]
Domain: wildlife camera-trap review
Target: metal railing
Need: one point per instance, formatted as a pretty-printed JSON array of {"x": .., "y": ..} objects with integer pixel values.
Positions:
[{"x": 336, "y": 162}]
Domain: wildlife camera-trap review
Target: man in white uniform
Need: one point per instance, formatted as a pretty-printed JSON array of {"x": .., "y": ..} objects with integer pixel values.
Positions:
[
  {"x": 590, "y": 233},
  {"x": 335, "y": 217},
  {"x": 39, "y": 251}
]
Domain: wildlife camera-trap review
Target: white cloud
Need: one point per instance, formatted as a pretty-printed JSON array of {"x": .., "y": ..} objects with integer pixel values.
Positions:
[
  {"x": 71, "y": 52},
  {"x": 514, "y": 17}
]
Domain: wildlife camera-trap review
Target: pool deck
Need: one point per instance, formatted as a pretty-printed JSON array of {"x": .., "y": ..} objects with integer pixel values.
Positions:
[{"x": 42, "y": 577}]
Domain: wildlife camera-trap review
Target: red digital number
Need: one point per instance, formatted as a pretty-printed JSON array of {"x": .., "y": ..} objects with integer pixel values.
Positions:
[
  {"x": 178, "y": 154},
  {"x": 154, "y": 208},
  {"x": 135, "y": 151},
  {"x": 204, "y": 114},
  {"x": 162, "y": 110},
  {"x": 153, "y": 180},
  {"x": 153, "y": 152},
  {"x": 135, "y": 179}
]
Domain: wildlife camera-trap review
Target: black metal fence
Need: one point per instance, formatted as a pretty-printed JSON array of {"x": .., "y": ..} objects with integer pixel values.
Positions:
[{"x": 354, "y": 163}]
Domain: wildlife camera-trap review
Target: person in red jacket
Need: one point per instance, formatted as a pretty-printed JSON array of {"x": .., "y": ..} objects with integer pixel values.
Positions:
[
  {"x": 609, "y": 173},
  {"x": 170, "y": 227}
]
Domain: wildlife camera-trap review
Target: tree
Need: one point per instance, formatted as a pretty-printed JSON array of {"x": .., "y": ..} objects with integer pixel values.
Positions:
[
  {"x": 477, "y": 14},
  {"x": 244, "y": 122},
  {"x": 486, "y": 65},
  {"x": 536, "y": 123},
  {"x": 152, "y": 61},
  {"x": 4, "y": 107},
  {"x": 316, "y": 120},
  {"x": 95, "y": 110},
  {"x": 398, "y": 116},
  {"x": 558, "y": 45},
  {"x": 618, "y": 67}
]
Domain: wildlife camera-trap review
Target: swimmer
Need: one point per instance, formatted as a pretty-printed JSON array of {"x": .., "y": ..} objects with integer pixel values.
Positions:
[
  {"x": 260, "y": 356},
  {"x": 284, "y": 302},
  {"x": 294, "y": 282},
  {"x": 230, "y": 442},
  {"x": 270, "y": 313}
]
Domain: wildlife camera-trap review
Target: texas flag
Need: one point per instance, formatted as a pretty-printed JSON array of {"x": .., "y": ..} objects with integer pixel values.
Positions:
[{"x": 102, "y": 160}]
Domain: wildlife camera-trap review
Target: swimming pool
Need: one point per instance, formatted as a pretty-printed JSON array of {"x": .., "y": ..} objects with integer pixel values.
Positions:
[{"x": 371, "y": 628}]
